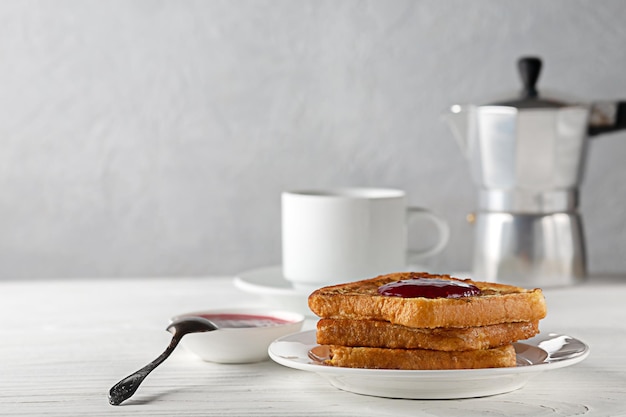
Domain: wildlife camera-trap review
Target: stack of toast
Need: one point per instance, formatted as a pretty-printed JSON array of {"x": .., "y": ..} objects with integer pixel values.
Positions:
[{"x": 362, "y": 325}]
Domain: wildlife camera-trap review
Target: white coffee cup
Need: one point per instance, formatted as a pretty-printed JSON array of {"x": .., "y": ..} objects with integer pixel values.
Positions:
[{"x": 346, "y": 234}]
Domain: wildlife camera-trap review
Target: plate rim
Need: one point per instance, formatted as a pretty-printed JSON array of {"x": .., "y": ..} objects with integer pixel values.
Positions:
[{"x": 444, "y": 373}]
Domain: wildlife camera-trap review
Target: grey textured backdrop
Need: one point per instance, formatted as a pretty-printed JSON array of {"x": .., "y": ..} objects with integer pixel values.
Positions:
[{"x": 152, "y": 138}]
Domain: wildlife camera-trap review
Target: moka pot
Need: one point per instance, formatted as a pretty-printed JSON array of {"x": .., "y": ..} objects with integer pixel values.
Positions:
[{"x": 527, "y": 156}]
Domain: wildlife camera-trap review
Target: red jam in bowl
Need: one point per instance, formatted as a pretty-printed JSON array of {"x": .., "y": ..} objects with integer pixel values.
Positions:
[
  {"x": 428, "y": 288},
  {"x": 228, "y": 320}
]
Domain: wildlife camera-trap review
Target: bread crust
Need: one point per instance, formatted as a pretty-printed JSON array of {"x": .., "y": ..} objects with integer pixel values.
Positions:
[
  {"x": 375, "y": 333},
  {"x": 419, "y": 359},
  {"x": 497, "y": 303}
]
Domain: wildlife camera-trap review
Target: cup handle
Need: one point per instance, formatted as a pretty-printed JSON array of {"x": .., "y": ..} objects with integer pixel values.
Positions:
[{"x": 442, "y": 229}]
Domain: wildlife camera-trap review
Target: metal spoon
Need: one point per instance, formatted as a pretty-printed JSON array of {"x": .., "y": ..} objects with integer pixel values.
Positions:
[{"x": 125, "y": 389}]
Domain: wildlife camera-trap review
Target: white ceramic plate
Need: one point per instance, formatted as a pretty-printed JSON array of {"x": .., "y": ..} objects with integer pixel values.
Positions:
[
  {"x": 274, "y": 289},
  {"x": 542, "y": 353}
]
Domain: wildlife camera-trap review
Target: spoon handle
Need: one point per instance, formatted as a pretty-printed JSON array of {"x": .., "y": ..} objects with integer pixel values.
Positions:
[{"x": 125, "y": 389}]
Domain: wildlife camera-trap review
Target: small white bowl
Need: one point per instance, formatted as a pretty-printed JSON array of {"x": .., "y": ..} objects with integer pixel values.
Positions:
[{"x": 240, "y": 344}]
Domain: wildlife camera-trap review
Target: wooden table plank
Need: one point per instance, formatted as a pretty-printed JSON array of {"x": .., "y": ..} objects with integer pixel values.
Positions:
[{"x": 64, "y": 343}]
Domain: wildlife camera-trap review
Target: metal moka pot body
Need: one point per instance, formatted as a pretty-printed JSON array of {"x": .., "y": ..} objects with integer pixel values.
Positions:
[{"x": 527, "y": 160}]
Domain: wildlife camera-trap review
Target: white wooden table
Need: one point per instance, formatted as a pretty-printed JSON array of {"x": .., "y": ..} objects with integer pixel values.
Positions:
[{"x": 65, "y": 343}]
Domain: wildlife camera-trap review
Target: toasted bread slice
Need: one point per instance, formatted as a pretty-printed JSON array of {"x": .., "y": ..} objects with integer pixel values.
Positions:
[
  {"x": 497, "y": 303},
  {"x": 375, "y": 333},
  {"x": 415, "y": 359}
]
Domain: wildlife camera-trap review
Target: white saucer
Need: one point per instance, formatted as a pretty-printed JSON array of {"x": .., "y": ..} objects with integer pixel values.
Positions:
[
  {"x": 541, "y": 353},
  {"x": 275, "y": 290}
]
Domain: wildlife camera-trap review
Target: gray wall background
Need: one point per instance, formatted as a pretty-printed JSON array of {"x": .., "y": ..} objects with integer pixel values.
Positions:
[{"x": 152, "y": 138}]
